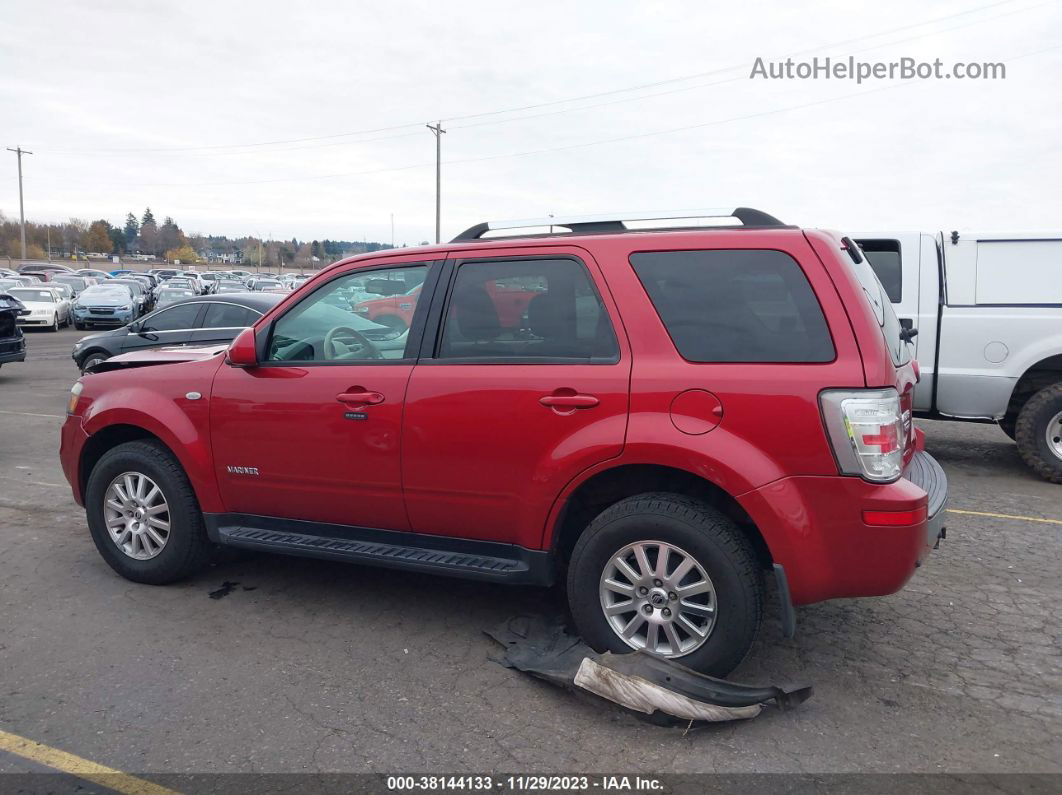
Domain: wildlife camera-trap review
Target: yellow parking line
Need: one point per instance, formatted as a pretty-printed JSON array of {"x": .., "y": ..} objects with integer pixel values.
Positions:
[
  {"x": 76, "y": 766},
  {"x": 1006, "y": 516}
]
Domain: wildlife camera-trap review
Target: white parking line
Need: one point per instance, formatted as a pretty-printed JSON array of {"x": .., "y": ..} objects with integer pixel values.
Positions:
[
  {"x": 33, "y": 482},
  {"x": 32, "y": 414}
]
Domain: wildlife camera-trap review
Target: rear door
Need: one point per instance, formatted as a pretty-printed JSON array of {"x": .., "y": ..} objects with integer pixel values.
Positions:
[
  {"x": 522, "y": 384},
  {"x": 173, "y": 325},
  {"x": 222, "y": 321}
]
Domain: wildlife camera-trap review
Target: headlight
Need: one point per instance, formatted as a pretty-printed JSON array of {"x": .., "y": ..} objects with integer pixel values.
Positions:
[{"x": 75, "y": 393}]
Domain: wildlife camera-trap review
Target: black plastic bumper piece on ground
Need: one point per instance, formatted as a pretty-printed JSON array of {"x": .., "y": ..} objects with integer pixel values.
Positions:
[{"x": 452, "y": 557}]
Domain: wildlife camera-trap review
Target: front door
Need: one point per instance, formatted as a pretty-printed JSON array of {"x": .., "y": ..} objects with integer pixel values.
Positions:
[
  {"x": 313, "y": 431},
  {"x": 525, "y": 387}
]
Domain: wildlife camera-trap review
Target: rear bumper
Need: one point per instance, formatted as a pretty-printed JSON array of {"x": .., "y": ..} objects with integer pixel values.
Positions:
[
  {"x": 814, "y": 528},
  {"x": 13, "y": 352}
]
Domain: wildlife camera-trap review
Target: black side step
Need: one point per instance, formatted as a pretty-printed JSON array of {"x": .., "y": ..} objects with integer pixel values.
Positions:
[{"x": 464, "y": 558}]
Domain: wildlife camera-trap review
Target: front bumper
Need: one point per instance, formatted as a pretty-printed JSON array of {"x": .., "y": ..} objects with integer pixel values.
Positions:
[
  {"x": 36, "y": 320},
  {"x": 814, "y": 528},
  {"x": 92, "y": 319}
]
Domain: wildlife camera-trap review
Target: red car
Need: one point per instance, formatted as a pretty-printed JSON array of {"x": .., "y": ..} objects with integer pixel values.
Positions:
[{"x": 681, "y": 413}]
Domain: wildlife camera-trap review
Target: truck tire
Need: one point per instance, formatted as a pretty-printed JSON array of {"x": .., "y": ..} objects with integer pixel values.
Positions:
[
  {"x": 702, "y": 607},
  {"x": 1038, "y": 433},
  {"x": 143, "y": 515}
]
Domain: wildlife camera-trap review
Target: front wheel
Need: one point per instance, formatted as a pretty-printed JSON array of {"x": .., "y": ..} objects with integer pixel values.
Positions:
[
  {"x": 669, "y": 575},
  {"x": 1038, "y": 433},
  {"x": 143, "y": 515},
  {"x": 55, "y": 323}
]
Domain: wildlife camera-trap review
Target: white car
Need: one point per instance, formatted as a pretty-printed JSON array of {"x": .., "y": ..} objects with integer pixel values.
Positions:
[{"x": 46, "y": 305}]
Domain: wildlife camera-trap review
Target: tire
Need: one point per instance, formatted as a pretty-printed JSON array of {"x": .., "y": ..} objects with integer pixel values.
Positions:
[
  {"x": 696, "y": 530},
  {"x": 393, "y": 322},
  {"x": 93, "y": 359},
  {"x": 79, "y": 326},
  {"x": 186, "y": 548},
  {"x": 55, "y": 323},
  {"x": 1040, "y": 416}
]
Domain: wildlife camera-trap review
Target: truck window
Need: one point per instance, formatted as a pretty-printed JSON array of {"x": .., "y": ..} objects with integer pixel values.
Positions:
[
  {"x": 735, "y": 305},
  {"x": 884, "y": 256}
]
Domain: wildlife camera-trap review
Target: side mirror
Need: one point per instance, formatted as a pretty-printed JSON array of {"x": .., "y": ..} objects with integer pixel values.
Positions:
[
  {"x": 135, "y": 326},
  {"x": 242, "y": 351}
]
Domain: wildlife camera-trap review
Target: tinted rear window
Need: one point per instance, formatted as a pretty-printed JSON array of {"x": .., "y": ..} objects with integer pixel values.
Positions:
[{"x": 735, "y": 305}]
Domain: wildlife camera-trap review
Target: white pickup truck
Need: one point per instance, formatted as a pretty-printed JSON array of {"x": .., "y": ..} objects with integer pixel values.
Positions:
[{"x": 987, "y": 312}]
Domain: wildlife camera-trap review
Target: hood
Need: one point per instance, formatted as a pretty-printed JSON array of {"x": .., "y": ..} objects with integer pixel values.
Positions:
[
  {"x": 116, "y": 299},
  {"x": 153, "y": 356}
]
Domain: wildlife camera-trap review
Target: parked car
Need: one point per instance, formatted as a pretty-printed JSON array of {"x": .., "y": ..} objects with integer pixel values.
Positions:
[
  {"x": 42, "y": 271},
  {"x": 171, "y": 295},
  {"x": 206, "y": 320},
  {"x": 66, "y": 292},
  {"x": 987, "y": 312},
  {"x": 102, "y": 276},
  {"x": 76, "y": 283},
  {"x": 141, "y": 295},
  {"x": 261, "y": 285},
  {"x": 46, "y": 307},
  {"x": 677, "y": 412},
  {"x": 104, "y": 305},
  {"x": 12, "y": 343},
  {"x": 229, "y": 286}
]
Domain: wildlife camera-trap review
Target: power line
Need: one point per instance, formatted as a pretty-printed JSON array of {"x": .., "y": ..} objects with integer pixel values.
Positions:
[{"x": 536, "y": 106}]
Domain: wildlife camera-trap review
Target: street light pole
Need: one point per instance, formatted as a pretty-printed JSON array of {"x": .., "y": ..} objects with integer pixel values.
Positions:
[
  {"x": 437, "y": 131},
  {"x": 19, "y": 151}
]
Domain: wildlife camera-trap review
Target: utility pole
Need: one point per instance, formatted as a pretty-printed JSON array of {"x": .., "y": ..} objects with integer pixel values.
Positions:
[
  {"x": 437, "y": 131},
  {"x": 21, "y": 211}
]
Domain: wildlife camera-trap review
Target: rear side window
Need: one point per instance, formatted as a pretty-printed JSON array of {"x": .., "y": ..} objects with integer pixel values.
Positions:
[
  {"x": 541, "y": 309},
  {"x": 221, "y": 315},
  {"x": 735, "y": 305}
]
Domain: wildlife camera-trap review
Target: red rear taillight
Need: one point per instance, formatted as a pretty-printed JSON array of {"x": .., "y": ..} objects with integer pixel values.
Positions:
[{"x": 867, "y": 430}]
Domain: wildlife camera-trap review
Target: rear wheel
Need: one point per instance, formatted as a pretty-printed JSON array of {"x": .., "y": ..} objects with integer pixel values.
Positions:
[
  {"x": 670, "y": 575},
  {"x": 143, "y": 514},
  {"x": 1038, "y": 433}
]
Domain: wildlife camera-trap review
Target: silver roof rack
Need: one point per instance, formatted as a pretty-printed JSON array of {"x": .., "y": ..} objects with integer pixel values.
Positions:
[{"x": 609, "y": 224}]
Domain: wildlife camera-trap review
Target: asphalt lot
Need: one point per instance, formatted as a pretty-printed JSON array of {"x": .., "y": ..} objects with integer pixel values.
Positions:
[{"x": 310, "y": 666}]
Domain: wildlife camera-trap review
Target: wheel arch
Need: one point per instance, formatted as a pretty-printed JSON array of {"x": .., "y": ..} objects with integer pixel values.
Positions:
[
  {"x": 1043, "y": 373},
  {"x": 107, "y": 439},
  {"x": 607, "y": 487}
]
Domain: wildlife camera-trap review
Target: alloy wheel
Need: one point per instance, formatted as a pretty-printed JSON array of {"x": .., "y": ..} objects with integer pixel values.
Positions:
[
  {"x": 657, "y": 597},
  {"x": 137, "y": 515}
]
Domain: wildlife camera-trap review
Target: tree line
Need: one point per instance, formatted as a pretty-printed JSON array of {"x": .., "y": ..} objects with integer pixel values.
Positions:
[{"x": 144, "y": 235}]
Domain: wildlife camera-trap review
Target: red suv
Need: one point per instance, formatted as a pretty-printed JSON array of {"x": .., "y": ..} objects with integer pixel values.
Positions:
[{"x": 676, "y": 413}]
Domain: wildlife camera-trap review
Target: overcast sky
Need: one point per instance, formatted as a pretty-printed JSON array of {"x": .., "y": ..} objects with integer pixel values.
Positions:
[{"x": 177, "y": 106}]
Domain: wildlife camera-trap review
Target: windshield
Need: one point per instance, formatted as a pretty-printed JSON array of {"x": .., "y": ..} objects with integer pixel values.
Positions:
[{"x": 25, "y": 294}]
